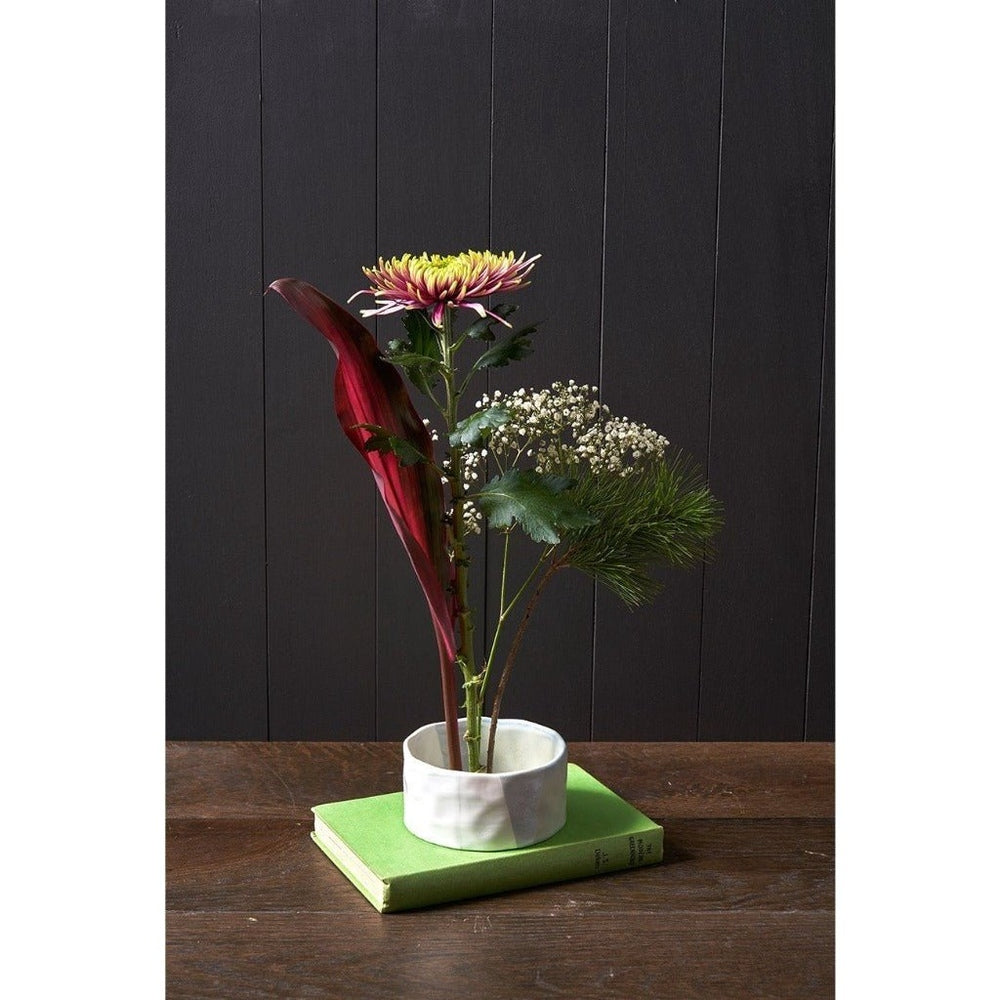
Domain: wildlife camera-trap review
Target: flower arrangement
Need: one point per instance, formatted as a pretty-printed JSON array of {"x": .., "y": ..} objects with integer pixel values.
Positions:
[{"x": 593, "y": 491}]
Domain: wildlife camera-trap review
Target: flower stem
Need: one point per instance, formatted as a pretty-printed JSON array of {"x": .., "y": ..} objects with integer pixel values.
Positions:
[
  {"x": 503, "y": 592},
  {"x": 463, "y": 613},
  {"x": 507, "y": 608},
  {"x": 512, "y": 654}
]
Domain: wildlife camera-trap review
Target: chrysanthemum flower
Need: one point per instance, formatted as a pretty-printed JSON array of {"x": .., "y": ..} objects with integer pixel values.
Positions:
[{"x": 438, "y": 282}]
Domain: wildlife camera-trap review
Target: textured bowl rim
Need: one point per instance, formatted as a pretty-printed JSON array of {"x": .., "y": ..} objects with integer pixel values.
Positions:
[{"x": 559, "y": 754}]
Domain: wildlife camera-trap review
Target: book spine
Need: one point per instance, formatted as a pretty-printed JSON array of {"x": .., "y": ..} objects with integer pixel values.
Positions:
[{"x": 594, "y": 857}]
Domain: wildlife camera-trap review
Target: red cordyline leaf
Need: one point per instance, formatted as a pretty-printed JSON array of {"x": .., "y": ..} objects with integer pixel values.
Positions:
[{"x": 367, "y": 389}]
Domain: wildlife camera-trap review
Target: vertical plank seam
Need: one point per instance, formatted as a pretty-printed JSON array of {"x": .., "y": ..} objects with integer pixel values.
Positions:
[
  {"x": 263, "y": 361},
  {"x": 819, "y": 447},
  {"x": 374, "y": 507},
  {"x": 624, "y": 113},
  {"x": 711, "y": 363},
  {"x": 600, "y": 345},
  {"x": 485, "y": 592},
  {"x": 489, "y": 207}
]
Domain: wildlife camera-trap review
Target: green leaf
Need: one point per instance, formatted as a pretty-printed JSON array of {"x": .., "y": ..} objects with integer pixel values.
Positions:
[
  {"x": 422, "y": 375},
  {"x": 538, "y": 503},
  {"x": 407, "y": 359},
  {"x": 515, "y": 347},
  {"x": 470, "y": 430},
  {"x": 420, "y": 354},
  {"x": 382, "y": 441},
  {"x": 423, "y": 336},
  {"x": 481, "y": 328}
]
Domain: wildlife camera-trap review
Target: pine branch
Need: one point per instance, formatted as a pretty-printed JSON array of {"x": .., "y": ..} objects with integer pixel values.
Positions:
[{"x": 663, "y": 514}]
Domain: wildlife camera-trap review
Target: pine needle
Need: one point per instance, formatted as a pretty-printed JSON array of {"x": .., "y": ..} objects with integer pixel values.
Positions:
[{"x": 662, "y": 514}]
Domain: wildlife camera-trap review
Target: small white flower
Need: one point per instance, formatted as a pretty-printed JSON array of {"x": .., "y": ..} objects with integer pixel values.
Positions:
[{"x": 566, "y": 427}]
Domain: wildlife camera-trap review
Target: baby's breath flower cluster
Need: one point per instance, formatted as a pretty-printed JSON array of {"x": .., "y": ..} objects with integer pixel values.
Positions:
[
  {"x": 544, "y": 425},
  {"x": 567, "y": 430},
  {"x": 619, "y": 445},
  {"x": 562, "y": 429}
]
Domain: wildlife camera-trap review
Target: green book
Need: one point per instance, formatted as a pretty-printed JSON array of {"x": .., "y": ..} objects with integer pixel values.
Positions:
[{"x": 394, "y": 870}]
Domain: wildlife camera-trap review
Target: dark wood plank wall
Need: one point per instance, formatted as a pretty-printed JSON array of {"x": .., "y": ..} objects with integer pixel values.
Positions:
[
  {"x": 673, "y": 164},
  {"x": 216, "y": 647},
  {"x": 663, "y": 169},
  {"x": 820, "y": 678},
  {"x": 774, "y": 215},
  {"x": 319, "y": 192},
  {"x": 433, "y": 191},
  {"x": 549, "y": 122}
]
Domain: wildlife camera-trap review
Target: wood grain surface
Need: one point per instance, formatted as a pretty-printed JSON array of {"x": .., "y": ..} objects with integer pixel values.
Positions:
[{"x": 742, "y": 905}]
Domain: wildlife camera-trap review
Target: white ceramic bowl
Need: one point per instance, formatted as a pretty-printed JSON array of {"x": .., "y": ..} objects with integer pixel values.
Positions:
[{"x": 522, "y": 802}]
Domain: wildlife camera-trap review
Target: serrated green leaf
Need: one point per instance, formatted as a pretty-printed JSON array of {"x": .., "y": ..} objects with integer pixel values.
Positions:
[
  {"x": 515, "y": 347},
  {"x": 407, "y": 359},
  {"x": 423, "y": 337},
  {"x": 470, "y": 430},
  {"x": 420, "y": 354},
  {"x": 539, "y": 503},
  {"x": 423, "y": 375},
  {"x": 382, "y": 441},
  {"x": 481, "y": 328}
]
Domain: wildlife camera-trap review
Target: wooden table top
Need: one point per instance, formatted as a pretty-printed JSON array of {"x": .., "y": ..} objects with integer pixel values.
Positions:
[{"x": 742, "y": 906}]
